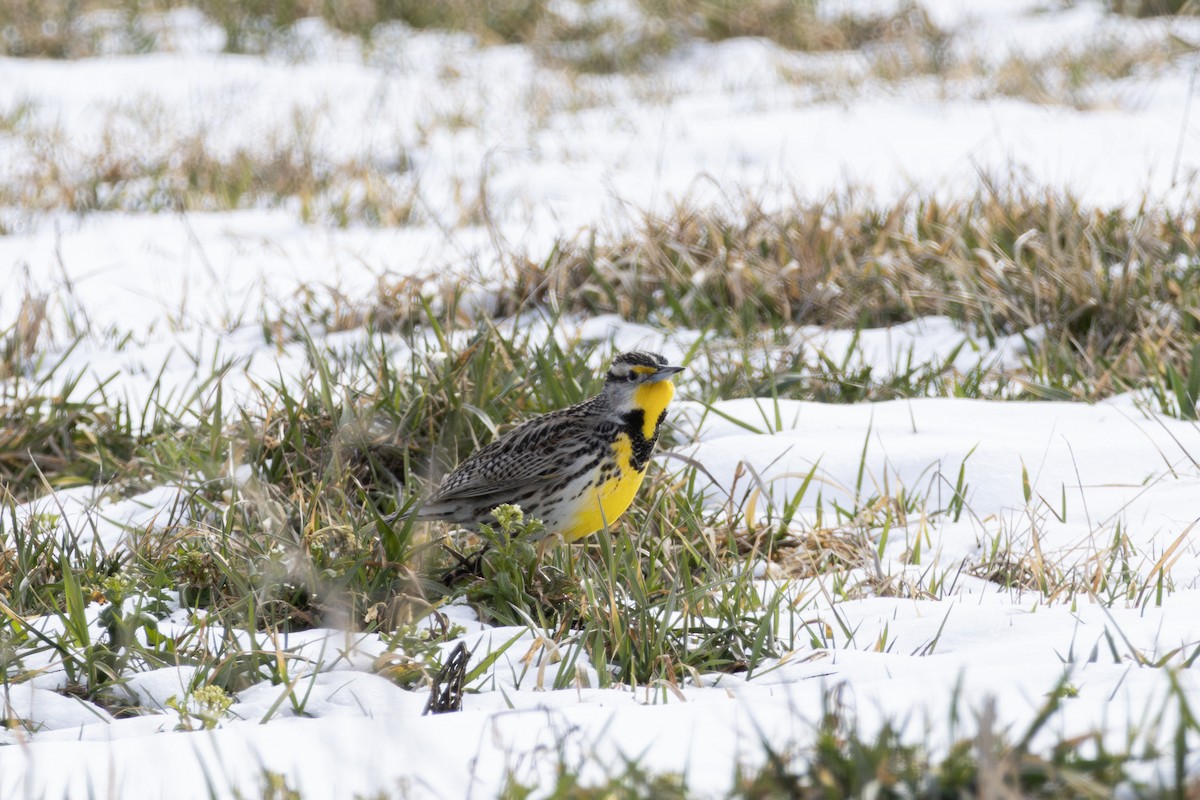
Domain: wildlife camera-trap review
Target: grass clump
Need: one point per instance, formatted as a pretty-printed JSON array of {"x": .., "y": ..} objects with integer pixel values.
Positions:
[
  {"x": 1090, "y": 289},
  {"x": 496, "y": 21},
  {"x": 644, "y": 605},
  {"x": 47, "y": 441},
  {"x": 1088, "y": 302},
  {"x": 188, "y": 176},
  {"x": 19, "y": 342},
  {"x": 629, "y": 780},
  {"x": 300, "y": 539},
  {"x": 844, "y": 761},
  {"x": 1153, "y": 8},
  {"x": 794, "y": 24},
  {"x": 1072, "y": 75},
  {"x": 603, "y": 41},
  {"x": 1002, "y": 262}
]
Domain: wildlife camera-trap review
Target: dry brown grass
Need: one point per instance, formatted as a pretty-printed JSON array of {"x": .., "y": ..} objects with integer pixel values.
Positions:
[
  {"x": 1108, "y": 296},
  {"x": 19, "y": 342},
  {"x": 1026, "y": 571},
  {"x": 81, "y": 28},
  {"x": 1154, "y": 8},
  {"x": 8, "y": 566},
  {"x": 794, "y": 24},
  {"x": 585, "y": 37},
  {"x": 1070, "y": 75},
  {"x": 1003, "y": 262},
  {"x": 1112, "y": 570},
  {"x": 187, "y": 174},
  {"x": 821, "y": 551},
  {"x": 1081, "y": 74}
]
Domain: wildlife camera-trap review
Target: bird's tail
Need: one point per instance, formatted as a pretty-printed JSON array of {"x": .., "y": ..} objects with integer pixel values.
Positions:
[
  {"x": 413, "y": 509},
  {"x": 410, "y": 509}
]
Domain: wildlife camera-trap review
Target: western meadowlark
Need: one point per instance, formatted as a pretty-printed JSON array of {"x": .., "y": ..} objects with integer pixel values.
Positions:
[{"x": 577, "y": 469}]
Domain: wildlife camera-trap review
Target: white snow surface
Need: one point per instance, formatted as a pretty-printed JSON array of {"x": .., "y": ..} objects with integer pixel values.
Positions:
[
  {"x": 553, "y": 154},
  {"x": 714, "y": 122}
]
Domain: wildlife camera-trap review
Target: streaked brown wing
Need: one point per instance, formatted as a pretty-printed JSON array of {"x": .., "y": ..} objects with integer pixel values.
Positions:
[{"x": 537, "y": 451}]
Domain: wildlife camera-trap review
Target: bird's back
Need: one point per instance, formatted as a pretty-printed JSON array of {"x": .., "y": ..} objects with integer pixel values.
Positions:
[{"x": 529, "y": 466}]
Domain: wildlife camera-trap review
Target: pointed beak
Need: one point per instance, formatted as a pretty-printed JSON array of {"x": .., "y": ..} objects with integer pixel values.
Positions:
[{"x": 664, "y": 372}]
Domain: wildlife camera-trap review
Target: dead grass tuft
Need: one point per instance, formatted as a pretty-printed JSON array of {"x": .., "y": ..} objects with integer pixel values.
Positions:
[
  {"x": 8, "y": 567},
  {"x": 189, "y": 175},
  {"x": 810, "y": 553},
  {"x": 1103, "y": 294},
  {"x": 1154, "y": 8},
  {"x": 794, "y": 24},
  {"x": 1070, "y": 75},
  {"x": 20, "y": 341},
  {"x": 1011, "y": 571}
]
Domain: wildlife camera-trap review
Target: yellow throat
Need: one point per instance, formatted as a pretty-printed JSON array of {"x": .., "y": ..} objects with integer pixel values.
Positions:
[
  {"x": 602, "y": 505},
  {"x": 652, "y": 399}
]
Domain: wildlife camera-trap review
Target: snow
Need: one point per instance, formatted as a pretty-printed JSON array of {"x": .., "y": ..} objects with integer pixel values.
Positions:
[
  {"x": 556, "y": 155},
  {"x": 552, "y": 155},
  {"x": 1088, "y": 451}
]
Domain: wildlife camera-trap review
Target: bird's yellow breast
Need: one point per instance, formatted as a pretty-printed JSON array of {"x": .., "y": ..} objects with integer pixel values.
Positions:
[{"x": 601, "y": 505}]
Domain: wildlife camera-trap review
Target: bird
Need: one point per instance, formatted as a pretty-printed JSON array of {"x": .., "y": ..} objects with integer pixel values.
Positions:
[{"x": 576, "y": 469}]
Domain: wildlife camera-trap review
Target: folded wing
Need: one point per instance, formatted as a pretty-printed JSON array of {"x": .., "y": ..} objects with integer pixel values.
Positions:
[{"x": 534, "y": 453}]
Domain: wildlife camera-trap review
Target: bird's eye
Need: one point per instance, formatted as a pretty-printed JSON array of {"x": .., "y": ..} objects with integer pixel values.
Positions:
[{"x": 631, "y": 377}]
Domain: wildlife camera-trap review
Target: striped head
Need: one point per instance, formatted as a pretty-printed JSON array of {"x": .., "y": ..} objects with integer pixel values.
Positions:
[{"x": 639, "y": 380}]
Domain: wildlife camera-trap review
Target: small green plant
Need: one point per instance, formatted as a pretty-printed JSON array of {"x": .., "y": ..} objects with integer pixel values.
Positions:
[
  {"x": 203, "y": 708},
  {"x": 121, "y": 625},
  {"x": 1174, "y": 378},
  {"x": 516, "y": 582},
  {"x": 196, "y": 572}
]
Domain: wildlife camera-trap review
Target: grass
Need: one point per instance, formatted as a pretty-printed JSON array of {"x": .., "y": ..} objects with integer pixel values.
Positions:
[
  {"x": 188, "y": 176},
  {"x": 660, "y": 606},
  {"x": 1085, "y": 292},
  {"x": 1072, "y": 75},
  {"x": 589, "y": 37},
  {"x": 296, "y": 538},
  {"x": 899, "y": 46},
  {"x": 1103, "y": 298},
  {"x": 302, "y": 542},
  {"x": 1000, "y": 260},
  {"x": 293, "y": 168},
  {"x": 1088, "y": 288},
  {"x": 47, "y": 442},
  {"x": 1154, "y": 8},
  {"x": 329, "y": 462}
]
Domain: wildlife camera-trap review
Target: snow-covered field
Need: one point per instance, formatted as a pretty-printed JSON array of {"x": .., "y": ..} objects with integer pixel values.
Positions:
[
  {"x": 548, "y": 154},
  {"x": 502, "y": 154}
]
